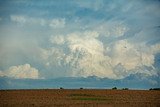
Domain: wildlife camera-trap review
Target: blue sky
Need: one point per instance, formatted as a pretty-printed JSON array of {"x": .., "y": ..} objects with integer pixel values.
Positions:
[{"x": 78, "y": 38}]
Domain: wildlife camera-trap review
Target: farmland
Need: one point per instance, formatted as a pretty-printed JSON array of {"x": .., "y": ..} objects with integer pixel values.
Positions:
[{"x": 79, "y": 98}]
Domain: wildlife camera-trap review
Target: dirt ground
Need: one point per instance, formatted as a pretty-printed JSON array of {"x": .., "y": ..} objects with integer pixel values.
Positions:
[{"x": 79, "y": 98}]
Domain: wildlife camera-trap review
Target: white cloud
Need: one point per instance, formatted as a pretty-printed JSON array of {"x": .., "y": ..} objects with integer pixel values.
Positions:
[
  {"x": 54, "y": 23},
  {"x": 22, "y": 71},
  {"x": 91, "y": 34},
  {"x": 112, "y": 28},
  {"x": 128, "y": 58},
  {"x": 79, "y": 43},
  {"x": 87, "y": 56},
  {"x": 124, "y": 53},
  {"x": 59, "y": 39},
  {"x": 21, "y": 19},
  {"x": 155, "y": 48},
  {"x": 130, "y": 55},
  {"x": 52, "y": 56},
  {"x": 18, "y": 19},
  {"x": 57, "y": 23}
]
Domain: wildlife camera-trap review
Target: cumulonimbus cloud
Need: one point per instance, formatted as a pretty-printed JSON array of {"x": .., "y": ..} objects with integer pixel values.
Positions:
[
  {"x": 88, "y": 56},
  {"x": 98, "y": 40}
]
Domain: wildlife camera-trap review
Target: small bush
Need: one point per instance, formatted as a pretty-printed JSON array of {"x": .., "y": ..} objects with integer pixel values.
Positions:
[
  {"x": 114, "y": 88},
  {"x": 61, "y": 88},
  {"x": 125, "y": 89},
  {"x": 154, "y": 89},
  {"x": 81, "y": 88}
]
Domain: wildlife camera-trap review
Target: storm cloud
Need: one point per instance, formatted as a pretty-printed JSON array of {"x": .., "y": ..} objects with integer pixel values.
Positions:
[{"x": 103, "y": 38}]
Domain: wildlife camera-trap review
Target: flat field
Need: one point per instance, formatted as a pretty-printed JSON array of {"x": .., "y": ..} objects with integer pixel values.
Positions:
[{"x": 79, "y": 98}]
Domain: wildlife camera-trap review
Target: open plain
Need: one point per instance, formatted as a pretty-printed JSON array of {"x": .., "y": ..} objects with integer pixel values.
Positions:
[{"x": 79, "y": 98}]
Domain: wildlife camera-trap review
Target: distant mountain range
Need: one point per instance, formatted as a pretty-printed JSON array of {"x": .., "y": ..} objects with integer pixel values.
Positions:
[{"x": 134, "y": 81}]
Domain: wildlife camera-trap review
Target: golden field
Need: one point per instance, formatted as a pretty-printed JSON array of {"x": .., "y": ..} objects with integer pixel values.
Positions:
[{"x": 79, "y": 98}]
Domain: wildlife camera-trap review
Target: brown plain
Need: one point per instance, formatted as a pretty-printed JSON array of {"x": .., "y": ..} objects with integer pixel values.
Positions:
[{"x": 79, "y": 98}]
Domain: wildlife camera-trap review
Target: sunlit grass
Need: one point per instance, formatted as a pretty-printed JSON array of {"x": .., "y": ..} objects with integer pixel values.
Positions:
[
  {"x": 90, "y": 98},
  {"x": 87, "y": 97}
]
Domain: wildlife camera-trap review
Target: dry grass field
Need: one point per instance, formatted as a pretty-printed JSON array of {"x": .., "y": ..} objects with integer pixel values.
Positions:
[{"x": 79, "y": 98}]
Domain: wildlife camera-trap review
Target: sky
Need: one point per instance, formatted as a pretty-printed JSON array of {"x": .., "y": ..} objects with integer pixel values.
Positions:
[{"x": 44, "y": 39}]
